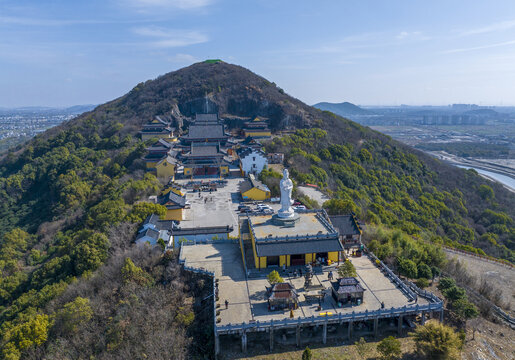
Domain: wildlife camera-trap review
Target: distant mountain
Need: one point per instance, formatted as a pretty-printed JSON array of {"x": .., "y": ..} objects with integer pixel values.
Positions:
[
  {"x": 79, "y": 109},
  {"x": 76, "y": 109},
  {"x": 342, "y": 109}
]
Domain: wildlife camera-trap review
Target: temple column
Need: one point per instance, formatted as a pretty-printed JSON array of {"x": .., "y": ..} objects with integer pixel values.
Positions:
[
  {"x": 324, "y": 333},
  {"x": 244, "y": 341},
  {"x": 298, "y": 336},
  {"x": 271, "y": 339}
]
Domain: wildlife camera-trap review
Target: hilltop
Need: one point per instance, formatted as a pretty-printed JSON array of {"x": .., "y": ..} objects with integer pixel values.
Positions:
[
  {"x": 71, "y": 282},
  {"x": 237, "y": 94}
]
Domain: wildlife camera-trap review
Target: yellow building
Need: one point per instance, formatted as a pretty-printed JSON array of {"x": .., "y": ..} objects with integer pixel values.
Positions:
[
  {"x": 165, "y": 168},
  {"x": 157, "y": 128},
  {"x": 308, "y": 237},
  {"x": 256, "y": 129},
  {"x": 172, "y": 187},
  {"x": 151, "y": 163},
  {"x": 257, "y": 133},
  {"x": 252, "y": 189},
  {"x": 175, "y": 205}
]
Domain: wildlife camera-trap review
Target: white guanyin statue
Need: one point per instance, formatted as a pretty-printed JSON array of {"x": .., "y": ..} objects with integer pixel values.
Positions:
[{"x": 286, "y": 186}]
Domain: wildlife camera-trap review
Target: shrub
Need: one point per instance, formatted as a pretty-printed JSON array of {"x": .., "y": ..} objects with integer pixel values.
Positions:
[
  {"x": 437, "y": 341},
  {"x": 454, "y": 293},
  {"x": 347, "y": 269},
  {"x": 362, "y": 347},
  {"x": 446, "y": 283},
  {"x": 307, "y": 354},
  {"x": 274, "y": 278},
  {"x": 422, "y": 283},
  {"x": 73, "y": 314},
  {"x": 407, "y": 268},
  {"x": 389, "y": 348},
  {"x": 133, "y": 273},
  {"x": 464, "y": 309},
  {"x": 424, "y": 271}
]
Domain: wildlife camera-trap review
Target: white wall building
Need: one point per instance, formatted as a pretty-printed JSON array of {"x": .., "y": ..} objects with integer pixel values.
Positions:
[{"x": 252, "y": 161}]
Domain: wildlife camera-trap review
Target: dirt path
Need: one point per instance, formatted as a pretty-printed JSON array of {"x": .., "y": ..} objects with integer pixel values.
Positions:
[
  {"x": 499, "y": 275},
  {"x": 313, "y": 193}
]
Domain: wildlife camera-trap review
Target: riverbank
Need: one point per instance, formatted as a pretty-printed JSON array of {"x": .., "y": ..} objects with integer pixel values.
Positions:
[
  {"x": 499, "y": 170},
  {"x": 508, "y": 182}
]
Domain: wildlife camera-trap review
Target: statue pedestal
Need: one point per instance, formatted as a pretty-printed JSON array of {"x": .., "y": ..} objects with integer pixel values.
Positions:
[{"x": 287, "y": 222}]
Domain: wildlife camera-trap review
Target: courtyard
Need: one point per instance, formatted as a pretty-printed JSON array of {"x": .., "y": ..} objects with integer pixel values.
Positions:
[{"x": 247, "y": 297}]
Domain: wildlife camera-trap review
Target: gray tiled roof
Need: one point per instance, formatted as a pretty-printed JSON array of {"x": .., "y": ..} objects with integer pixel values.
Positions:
[
  {"x": 276, "y": 248},
  {"x": 167, "y": 224},
  {"x": 345, "y": 224},
  {"x": 250, "y": 183},
  {"x": 206, "y": 132},
  {"x": 205, "y": 150},
  {"x": 154, "y": 234},
  {"x": 347, "y": 285},
  {"x": 243, "y": 152},
  {"x": 203, "y": 230},
  {"x": 206, "y": 118},
  {"x": 151, "y": 219},
  {"x": 177, "y": 201}
]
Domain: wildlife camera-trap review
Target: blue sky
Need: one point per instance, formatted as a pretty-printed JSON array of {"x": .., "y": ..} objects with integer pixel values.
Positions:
[{"x": 385, "y": 52}]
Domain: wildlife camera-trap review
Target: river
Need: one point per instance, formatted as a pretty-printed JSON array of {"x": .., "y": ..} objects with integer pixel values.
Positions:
[{"x": 503, "y": 179}]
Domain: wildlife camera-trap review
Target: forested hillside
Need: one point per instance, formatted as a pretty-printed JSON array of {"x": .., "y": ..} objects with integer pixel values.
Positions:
[
  {"x": 69, "y": 277},
  {"x": 386, "y": 183}
]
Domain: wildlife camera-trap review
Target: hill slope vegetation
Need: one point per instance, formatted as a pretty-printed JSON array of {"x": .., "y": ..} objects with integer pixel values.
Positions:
[{"x": 68, "y": 217}]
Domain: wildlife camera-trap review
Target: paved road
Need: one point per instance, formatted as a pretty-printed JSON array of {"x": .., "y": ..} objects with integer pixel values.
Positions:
[{"x": 315, "y": 194}]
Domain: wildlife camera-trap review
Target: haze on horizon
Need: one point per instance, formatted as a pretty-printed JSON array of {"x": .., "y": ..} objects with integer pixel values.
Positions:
[{"x": 63, "y": 53}]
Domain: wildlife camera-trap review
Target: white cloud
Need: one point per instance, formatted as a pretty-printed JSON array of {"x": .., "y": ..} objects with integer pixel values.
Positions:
[
  {"x": 499, "y": 26},
  {"x": 459, "y": 50},
  {"x": 402, "y": 35},
  {"x": 25, "y": 21},
  {"x": 413, "y": 35},
  {"x": 178, "y": 4},
  {"x": 182, "y": 58},
  {"x": 168, "y": 38}
]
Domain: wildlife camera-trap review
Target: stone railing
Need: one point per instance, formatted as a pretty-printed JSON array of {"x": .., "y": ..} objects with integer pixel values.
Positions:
[{"x": 332, "y": 319}]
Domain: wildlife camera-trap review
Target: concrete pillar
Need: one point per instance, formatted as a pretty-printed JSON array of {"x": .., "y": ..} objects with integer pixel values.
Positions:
[
  {"x": 399, "y": 325},
  {"x": 244, "y": 341},
  {"x": 376, "y": 326},
  {"x": 324, "y": 334},
  {"x": 423, "y": 318},
  {"x": 217, "y": 344},
  {"x": 271, "y": 339},
  {"x": 349, "y": 330},
  {"x": 298, "y": 336}
]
